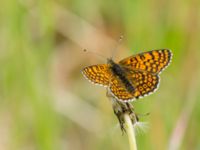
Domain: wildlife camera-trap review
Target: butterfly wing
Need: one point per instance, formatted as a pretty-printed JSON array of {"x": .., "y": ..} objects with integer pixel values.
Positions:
[
  {"x": 97, "y": 74},
  {"x": 119, "y": 91},
  {"x": 143, "y": 83},
  {"x": 153, "y": 61}
]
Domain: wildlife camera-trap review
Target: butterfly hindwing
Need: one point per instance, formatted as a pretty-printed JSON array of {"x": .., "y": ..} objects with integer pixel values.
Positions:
[
  {"x": 143, "y": 82},
  {"x": 118, "y": 90}
]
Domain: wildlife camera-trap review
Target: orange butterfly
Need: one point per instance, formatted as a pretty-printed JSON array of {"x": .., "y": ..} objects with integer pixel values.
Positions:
[{"x": 133, "y": 77}]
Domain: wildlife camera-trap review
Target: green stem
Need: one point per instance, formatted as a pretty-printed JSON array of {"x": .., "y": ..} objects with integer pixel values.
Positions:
[{"x": 130, "y": 131}]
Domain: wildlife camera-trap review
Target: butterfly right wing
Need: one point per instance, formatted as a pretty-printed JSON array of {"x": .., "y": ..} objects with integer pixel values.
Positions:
[
  {"x": 143, "y": 83},
  {"x": 152, "y": 61},
  {"x": 98, "y": 74}
]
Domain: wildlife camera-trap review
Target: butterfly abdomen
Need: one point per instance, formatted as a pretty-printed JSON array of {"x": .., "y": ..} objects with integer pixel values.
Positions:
[{"x": 120, "y": 73}]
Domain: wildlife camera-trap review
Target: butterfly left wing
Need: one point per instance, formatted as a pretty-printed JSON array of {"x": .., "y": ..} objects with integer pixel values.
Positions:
[
  {"x": 143, "y": 83},
  {"x": 97, "y": 74},
  {"x": 153, "y": 61},
  {"x": 119, "y": 91}
]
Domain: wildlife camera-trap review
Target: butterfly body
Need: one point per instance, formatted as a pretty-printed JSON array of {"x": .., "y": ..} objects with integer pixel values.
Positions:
[
  {"x": 120, "y": 72},
  {"x": 132, "y": 77}
]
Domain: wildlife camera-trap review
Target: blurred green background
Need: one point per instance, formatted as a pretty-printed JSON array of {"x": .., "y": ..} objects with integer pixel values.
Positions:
[{"x": 46, "y": 104}]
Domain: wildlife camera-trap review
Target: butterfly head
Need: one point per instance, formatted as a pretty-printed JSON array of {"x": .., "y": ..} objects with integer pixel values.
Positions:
[{"x": 110, "y": 61}]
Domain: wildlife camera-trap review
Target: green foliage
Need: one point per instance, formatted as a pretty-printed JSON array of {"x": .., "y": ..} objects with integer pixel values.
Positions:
[{"x": 41, "y": 59}]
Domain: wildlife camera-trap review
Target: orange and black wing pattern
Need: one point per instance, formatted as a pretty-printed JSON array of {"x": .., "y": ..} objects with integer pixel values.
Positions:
[
  {"x": 134, "y": 77},
  {"x": 144, "y": 83},
  {"x": 97, "y": 74},
  {"x": 119, "y": 91},
  {"x": 152, "y": 61}
]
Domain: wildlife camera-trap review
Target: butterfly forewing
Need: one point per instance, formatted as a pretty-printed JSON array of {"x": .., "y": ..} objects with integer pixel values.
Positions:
[
  {"x": 97, "y": 74},
  {"x": 153, "y": 61}
]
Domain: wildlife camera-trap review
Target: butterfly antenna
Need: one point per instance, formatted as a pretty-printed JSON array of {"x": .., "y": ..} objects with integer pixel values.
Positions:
[
  {"x": 114, "y": 51},
  {"x": 95, "y": 53}
]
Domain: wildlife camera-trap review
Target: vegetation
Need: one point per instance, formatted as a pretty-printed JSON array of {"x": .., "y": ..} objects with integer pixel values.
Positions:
[{"x": 46, "y": 104}]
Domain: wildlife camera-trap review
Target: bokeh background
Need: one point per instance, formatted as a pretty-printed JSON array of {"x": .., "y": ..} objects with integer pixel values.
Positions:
[{"x": 46, "y": 104}]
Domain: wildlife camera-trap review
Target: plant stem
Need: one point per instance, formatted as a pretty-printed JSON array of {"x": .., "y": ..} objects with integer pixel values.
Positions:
[{"x": 130, "y": 131}]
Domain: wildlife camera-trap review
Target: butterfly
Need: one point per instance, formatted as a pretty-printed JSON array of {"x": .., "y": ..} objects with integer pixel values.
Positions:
[{"x": 133, "y": 77}]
